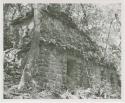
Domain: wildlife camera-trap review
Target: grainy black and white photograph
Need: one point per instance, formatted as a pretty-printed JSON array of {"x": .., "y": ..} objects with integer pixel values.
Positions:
[{"x": 62, "y": 50}]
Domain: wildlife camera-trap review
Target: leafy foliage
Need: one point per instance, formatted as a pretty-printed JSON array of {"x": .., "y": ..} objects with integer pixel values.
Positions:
[{"x": 98, "y": 40}]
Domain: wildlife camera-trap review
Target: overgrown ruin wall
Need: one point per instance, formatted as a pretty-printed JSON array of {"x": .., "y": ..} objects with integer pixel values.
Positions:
[
  {"x": 51, "y": 67},
  {"x": 57, "y": 68}
]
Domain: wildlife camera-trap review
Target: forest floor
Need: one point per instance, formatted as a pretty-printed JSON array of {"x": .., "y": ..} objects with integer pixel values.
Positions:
[{"x": 11, "y": 92}]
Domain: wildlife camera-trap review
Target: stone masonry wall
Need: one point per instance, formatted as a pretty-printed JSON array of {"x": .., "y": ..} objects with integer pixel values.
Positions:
[
  {"x": 73, "y": 71},
  {"x": 51, "y": 68},
  {"x": 57, "y": 68}
]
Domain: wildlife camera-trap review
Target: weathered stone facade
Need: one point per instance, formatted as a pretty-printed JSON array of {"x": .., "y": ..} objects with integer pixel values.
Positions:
[
  {"x": 58, "y": 67},
  {"x": 61, "y": 61}
]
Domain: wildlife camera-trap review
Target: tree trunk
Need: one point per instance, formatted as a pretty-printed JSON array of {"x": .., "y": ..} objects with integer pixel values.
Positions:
[{"x": 33, "y": 53}]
